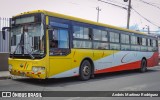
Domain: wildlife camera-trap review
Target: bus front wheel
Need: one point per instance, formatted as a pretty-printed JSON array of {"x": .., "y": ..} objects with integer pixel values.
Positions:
[
  {"x": 85, "y": 70},
  {"x": 143, "y": 66}
]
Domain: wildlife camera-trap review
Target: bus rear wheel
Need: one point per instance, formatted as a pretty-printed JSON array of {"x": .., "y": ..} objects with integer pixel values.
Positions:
[
  {"x": 143, "y": 66},
  {"x": 85, "y": 70}
]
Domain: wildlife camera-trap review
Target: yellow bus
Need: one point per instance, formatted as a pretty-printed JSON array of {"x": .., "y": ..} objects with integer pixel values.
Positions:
[{"x": 45, "y": 44}]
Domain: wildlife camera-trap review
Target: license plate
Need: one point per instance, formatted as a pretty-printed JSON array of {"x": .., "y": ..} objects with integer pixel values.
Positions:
[{"x": 22, "y": 74}]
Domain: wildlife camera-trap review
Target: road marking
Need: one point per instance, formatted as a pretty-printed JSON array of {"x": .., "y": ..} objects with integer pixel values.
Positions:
[
  {"x": 134, "y": 88},
  {"x": 73, "y": 98}
]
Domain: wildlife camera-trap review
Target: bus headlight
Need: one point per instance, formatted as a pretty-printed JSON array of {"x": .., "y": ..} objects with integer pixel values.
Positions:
[
  {"x": 10, "y": 67},
  {"x": 37, "y": 69}
]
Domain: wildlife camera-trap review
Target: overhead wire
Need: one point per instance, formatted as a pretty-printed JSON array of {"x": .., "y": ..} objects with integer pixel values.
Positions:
[
  {"x": 148, "y": 3},
  {"x": 117, "y": 2},
  {"x": 113, "y": 4},
  {"x": 133, "y": 10},
  {"x": 145, "y": 18}
]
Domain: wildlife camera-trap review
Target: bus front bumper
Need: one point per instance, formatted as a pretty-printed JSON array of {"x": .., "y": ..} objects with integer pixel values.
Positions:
[{"x": 30, "y": 74}]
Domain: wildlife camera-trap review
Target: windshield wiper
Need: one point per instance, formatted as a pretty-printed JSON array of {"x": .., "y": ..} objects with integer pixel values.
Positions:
[
  {"x": 20, "y": 43},
  {"x": 28, "y": 52},
  {"x": 22, "y": 46},
  {"x": 15, "y": 50}
]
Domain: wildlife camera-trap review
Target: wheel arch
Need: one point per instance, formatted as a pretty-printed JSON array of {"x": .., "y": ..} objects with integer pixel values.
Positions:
[{"x": 145, "y": 60}]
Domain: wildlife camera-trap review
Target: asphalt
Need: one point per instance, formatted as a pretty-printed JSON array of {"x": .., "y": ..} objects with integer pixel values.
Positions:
[{"x": 118, "y": 81}]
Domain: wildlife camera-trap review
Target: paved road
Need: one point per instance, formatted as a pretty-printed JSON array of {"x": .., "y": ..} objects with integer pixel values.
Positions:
[{"x": 121, "y": 81}]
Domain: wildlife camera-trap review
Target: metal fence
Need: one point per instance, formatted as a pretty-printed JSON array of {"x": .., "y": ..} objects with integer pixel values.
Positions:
[{"x": 4, "y": 44}]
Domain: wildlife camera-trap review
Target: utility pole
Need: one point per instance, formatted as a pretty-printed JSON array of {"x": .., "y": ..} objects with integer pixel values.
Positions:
[
  {"x": 98, "y": 10},
  {"x": 129, "y": 11},
  {"x": 148, "y": 29}
]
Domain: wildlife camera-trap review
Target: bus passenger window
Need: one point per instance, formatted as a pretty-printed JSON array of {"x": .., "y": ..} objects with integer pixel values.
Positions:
[
  {"x": 114, "y": 37},
  {"x": 148, "y": 42},
  {"x": 144, "y": 42},
  {"x": 133, "y": 40},
  {"x": 81, "y": 32},
  {"x": 124, "y": 39},
  {"x": 97, "y": 34},
  {"x": 104, "y": 36},
  {"x": 59, "y": 42}
]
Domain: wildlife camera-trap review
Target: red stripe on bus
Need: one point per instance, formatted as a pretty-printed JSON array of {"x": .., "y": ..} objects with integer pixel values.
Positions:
[
  {"x": 133, "y": 65},
  {"x": 153, "y": 61}
]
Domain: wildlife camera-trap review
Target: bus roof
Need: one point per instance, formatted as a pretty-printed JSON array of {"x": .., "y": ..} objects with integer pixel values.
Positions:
[{"x": 79, "y": 20}]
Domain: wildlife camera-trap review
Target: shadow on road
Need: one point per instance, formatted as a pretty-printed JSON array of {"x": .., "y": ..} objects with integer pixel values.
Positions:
[{"x": 75, "y": 80}]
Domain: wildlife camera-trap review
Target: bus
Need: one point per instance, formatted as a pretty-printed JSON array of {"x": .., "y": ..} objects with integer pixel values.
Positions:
[{"x": 46, "y": 44}]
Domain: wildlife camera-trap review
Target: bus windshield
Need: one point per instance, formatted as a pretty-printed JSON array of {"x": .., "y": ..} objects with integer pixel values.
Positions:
[{"x": 27, "y": 39}]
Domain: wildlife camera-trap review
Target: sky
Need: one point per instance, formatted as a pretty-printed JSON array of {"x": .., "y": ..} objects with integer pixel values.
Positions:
[{"x": 86, "y": 9}]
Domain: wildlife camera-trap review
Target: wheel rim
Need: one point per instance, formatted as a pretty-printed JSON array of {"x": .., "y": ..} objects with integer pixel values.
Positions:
[{"x": 86, "y": 70}]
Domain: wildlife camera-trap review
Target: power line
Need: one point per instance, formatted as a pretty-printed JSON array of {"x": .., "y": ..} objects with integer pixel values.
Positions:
[
  {"x": 124, "y": 8},
  {"x": 153, "y": 5},
  {"x": 145, "y": 18},
  {"x": 117, "y": 2},
  {"x": 113, "y": 4},
  {"x": 158, "y": 4},
  {"x": 133, "y": 10},
  {"x": 129, "y": 9}
]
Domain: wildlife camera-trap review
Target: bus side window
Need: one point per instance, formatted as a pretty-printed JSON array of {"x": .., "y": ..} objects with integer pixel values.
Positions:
[
  {"x": 144, "y": 42},
  {"x": 81, "y": 32},
  {"x": 114, "y": 37}
]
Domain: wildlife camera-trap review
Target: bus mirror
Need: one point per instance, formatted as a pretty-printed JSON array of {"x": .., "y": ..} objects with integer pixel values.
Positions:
[
  {"x": 3, "y": 34},
  {"x": 4, "y": 31}
]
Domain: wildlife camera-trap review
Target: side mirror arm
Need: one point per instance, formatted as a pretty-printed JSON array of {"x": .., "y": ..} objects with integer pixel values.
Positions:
[{"x": 49, "y": 27}]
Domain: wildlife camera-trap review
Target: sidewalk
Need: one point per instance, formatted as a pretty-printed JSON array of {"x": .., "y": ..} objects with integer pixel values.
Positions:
[{"x": 4, "y": 75}]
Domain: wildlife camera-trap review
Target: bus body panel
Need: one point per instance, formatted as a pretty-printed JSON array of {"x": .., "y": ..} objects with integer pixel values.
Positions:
[
  {"x": 67, "y": 66},
  {"x": 122, "y": 60},
  {"x": 58, "y": 64},
  {"x": 23, "y": 67}
]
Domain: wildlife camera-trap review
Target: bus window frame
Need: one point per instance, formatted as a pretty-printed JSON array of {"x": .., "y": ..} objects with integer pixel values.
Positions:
[{"x": 63, "y": 21}]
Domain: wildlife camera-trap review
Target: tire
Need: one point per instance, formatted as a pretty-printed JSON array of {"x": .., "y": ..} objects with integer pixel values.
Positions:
[
  {"x": 85, "y": 70},
  {"x": 143, "y": 66}
]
